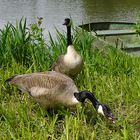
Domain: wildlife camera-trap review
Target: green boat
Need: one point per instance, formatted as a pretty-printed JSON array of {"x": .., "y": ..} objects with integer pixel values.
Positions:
[
  {"x": 120, "y": 34},
  {"x": 110, "y": 28}
]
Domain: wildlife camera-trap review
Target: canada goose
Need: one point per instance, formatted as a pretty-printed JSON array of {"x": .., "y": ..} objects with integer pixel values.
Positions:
[
  {"x": 52, "y": 89},
  {"x": 71, "y": 62}
]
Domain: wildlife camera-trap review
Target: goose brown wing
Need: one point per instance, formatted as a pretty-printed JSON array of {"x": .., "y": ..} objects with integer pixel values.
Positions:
[
  {"x": 58, "y": 64},
  {"x": 48, "y": 80}
]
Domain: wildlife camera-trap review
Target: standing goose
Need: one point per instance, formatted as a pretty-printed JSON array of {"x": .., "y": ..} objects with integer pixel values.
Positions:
[
  {"x": 52, "y": 89},
  {"x": 71, "y": 62}
]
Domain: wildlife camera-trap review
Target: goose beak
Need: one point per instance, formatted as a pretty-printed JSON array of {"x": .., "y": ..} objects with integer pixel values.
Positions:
[
  {"x": 112, "y": 118},
  {"x": 65, "y": 23}
]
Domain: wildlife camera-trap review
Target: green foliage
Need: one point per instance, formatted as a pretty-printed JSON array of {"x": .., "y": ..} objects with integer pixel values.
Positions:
[
  {"x": 110, "y": 73},
  {"x": 137, "y": 26},
  {"x": 23, "y": 45}
]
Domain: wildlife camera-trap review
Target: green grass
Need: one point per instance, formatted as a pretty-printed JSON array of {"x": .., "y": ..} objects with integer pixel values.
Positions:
[{"x": 110, "y": 73}]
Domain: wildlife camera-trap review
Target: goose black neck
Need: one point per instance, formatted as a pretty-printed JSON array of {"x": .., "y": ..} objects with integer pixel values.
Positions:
[
  {"x": 81, "y": 96},
  {"x": 69, "y": 40}
]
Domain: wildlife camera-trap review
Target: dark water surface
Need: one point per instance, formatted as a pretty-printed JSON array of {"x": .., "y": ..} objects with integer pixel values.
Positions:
[{"x": 54, "y": 11}]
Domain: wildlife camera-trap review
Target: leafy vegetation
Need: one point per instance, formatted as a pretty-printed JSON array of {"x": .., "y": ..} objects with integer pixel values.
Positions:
[{"x": 112, "y": 74}]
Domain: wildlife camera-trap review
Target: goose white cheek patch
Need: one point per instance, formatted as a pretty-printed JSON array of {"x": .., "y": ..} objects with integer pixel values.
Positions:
[{"x": 100, "y": 110}]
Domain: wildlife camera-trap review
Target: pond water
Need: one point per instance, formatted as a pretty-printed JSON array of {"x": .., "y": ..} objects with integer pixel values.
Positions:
[{"x": 81, "y": 11}]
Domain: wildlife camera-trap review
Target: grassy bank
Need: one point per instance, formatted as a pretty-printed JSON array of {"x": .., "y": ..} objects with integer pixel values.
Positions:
[{"x": 114, "y": 74}]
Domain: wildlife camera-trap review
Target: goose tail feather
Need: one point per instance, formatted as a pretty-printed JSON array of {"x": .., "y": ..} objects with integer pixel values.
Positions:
[{"x": 10, "y": 79}]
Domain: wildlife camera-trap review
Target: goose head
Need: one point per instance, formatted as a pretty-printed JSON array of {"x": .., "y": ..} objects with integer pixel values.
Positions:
[
  {"x": 105, "y": 111},
  {"x": 102, "y": 109},
  {"x": 67, "y": 22}
]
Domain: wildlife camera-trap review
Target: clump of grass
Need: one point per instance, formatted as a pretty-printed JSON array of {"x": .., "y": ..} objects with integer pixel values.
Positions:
[
  {"x": 111, "y": 74},
  {"x": 23, "y": 45},
  {"x": 137, "y": 26}
]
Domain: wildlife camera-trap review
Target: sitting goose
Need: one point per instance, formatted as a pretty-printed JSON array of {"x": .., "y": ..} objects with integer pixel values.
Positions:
[
  {"x": 71, "y": 62},
  {"x": 52, "y": 89}
]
